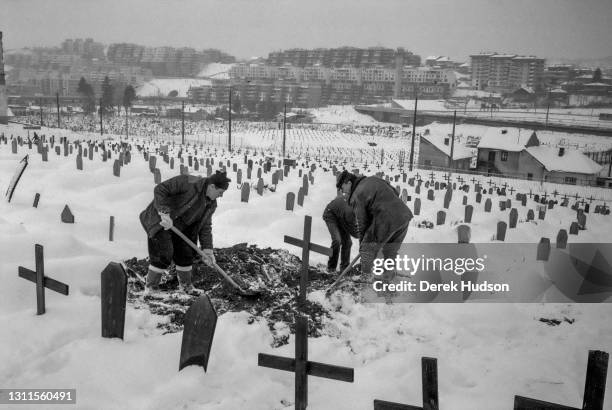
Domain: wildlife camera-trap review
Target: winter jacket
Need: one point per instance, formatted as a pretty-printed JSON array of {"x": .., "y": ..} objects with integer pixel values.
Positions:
[
  {"x": 378, "y": 209},
  {"x": 184, "y": 198},
  {"x": 340, "y": 212}
]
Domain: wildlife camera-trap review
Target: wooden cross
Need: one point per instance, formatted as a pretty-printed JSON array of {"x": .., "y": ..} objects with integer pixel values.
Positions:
[
  {"x": 576, "y": 196},
  {"x": 429, "y": 377},
  {"x": 594, "y": 387},
  {"x": 511, "y": 191},
  {"x": 505, "y": 185},
  {"x": 474, "y": 180},
  {"x": 302, "y": 367},
  {"x": 431, "y": 177},
  {"x": 545, "y": 195},
  {"x": 564, "y": 197},
  {"x": 582, "y": 201},
  {"x": 41, "y": 280},
  {"x": 490, "y": 182},
  {"x": 591, "y": 199},
  {"x": 306, "y": 246},
  {"x": 530, "y": 193},
  {"x": 447, "y": 177}
]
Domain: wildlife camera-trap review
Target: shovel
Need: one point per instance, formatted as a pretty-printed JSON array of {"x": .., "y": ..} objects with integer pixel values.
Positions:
[
  {"x": 215, "y": 266},
  {"x": 334, "y": 285}
]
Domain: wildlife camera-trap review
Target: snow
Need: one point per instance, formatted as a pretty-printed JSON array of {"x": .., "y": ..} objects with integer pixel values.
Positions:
[
  {"x": 506, "y": 139},
  {"x": 422, "y": 105},
  {"x": 216, "y": 70},
  {"x": 459, "y": 151},
  {"x": 486, "y": 353},
  {"x": 164, "y": 86},
  {"x": 571, "y": 161}
]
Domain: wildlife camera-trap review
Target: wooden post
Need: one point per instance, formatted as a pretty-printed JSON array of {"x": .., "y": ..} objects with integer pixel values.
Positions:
[
  {"x": 200, "y": 323},
  {"x": 111, "y": 229},
  {"x": 41, "y": 280},
  {"x": 429, "y": 377}
]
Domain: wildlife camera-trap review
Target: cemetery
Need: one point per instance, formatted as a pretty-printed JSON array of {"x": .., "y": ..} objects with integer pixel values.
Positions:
[{"x": 75, "y": 198}]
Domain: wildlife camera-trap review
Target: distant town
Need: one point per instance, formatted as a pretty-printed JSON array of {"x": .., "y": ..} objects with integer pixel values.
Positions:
[{"x": 295, "y": 78}]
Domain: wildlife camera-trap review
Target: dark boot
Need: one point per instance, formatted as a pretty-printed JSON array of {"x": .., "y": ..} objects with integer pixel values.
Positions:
[{"x": 184, "y": 273}]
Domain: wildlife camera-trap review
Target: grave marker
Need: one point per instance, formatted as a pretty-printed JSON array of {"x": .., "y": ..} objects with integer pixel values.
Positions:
[
  {"x": 417, "y": 206},
  {"x": 463, "y": 234},
  {"x": 513, "y": 219},
  {"x": 244, "y": 194},
  {"x": 199, "y": 331},
  {"x": 67, "y": 216},
  {"x": 290, "y": 201},
  {"x": 429, "y": 382},
  {"x": 469, "y": 210},
  {"x": 113, "y": 295},
  {"x": 441, "y": 218},
  {"x": 488, "y": 205},
  {"x": 562, "y": 239},
  {"x": 41, "y": 280},
  {"x": 117, "y": 168},
  {"x": 594, "y": 387},
  {"x": 501, "y": 231}
]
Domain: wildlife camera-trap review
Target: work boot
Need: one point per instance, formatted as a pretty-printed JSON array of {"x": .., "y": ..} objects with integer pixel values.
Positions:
[
  {"x": 154, "y": 276},
  {"x": 184, "y": 273}
]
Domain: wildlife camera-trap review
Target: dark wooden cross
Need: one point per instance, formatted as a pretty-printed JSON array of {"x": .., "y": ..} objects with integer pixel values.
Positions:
[
  {"x": 576, "y": 196},
  {"x": 41, "y": 280},
  {"x": 447, "y": 177},
  {"x": 491, "y": 182},
  {"x": 429, "y": 377},
  {"x": 505, "y": 185},
  {"x": 431, "y": 177},
  {"x": 594, "y": 387},
  {"x": 564, "y": 197},
  {"x": 474, "y": 180},
  {"x": 306, "y": 246},
  {"x": 582, "y": 201},
  {"x": 511, "y": 191},
  {"x": 418, "y": 176},
  {"x": 530, "y": 193},
  {"x": 591, "y": 199},
  {"x": 545, "y": 195},
  {"x": 302, "y": 367}
]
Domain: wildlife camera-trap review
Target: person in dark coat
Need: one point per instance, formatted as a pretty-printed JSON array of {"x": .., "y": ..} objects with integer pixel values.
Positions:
[
  {"x": 340, "y": 221},
  {"x": 186, "y": 202},
  {"x": 382, "y": 217}
]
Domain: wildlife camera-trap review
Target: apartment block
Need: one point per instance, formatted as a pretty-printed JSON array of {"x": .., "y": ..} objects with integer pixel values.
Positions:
[{"x": 504, "y": 73}]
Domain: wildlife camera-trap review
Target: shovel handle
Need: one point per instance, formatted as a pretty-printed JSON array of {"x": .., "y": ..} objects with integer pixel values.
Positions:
[
  {"x": 201, "y": 253},
  {"x": 339, "y": 279}
]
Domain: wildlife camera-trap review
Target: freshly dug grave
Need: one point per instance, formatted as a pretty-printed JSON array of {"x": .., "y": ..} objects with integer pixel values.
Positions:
[{"x": 274, "y": 272}]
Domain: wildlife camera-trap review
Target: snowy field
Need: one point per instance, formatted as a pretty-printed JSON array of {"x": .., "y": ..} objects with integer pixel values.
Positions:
[{"x": 486, "y": 353}]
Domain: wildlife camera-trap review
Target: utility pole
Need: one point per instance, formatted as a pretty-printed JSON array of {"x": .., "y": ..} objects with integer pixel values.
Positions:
[
  {"x": 416, "y": 100},
  {"x": 182, "y": 122},
  {"x": 453, "y": 141},
  {"x": 41, "y": 113},
  {"x": 58, "y": 109},
  {"x": 229, "y": 128},
  {"x": 127, "y": 125},
  {"x": 101, "y": 125},
  {"x": 284, "y": 129},
  {"x": 547, "y": 107}
]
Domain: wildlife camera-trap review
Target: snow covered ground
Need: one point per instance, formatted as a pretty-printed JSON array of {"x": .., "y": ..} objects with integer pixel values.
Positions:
[
  {"x": 486, "y": 353},
  {"x": 164, "y": 86}
]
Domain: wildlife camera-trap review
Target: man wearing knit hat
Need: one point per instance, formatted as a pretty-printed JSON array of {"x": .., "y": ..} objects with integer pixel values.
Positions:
[
  {"x": 186, "y": 202},
  {"x": 382, "y": 217}
]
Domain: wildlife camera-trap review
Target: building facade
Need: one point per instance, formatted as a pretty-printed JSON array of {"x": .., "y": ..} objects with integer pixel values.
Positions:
[{"x": 504, "y": 73}]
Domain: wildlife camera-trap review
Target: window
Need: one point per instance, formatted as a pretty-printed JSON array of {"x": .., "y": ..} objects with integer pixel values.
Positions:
[
  {"x": 491, "y": 156},
  {"x": 570, "y": 180},
  {"x": 428, "y": 162},
  {"x": 504, "y": 156},
  {"x": 530, "y": 176}
]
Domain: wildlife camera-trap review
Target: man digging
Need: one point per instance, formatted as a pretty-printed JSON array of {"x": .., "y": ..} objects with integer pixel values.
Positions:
[{"x": 186, "y": 202}]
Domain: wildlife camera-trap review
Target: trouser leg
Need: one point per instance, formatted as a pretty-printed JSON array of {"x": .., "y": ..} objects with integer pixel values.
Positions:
[
  {"x": 336, "y": 242},
  {"x": 345, "y": 253}
]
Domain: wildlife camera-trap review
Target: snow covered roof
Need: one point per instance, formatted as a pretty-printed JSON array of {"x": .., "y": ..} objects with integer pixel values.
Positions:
[
  {"x": 216, "y": 70},
  {"x": 511, "y": 140},
  {"x": 597, "y": 85},
  {"x": 163, "y": 86},
  {"x": 460, "y": 151},
  {"x": 423, "y": 105},
  {"x": 559, "y": 91},
  {"x": 475, "y": 93},
  {"x": 571, "y": 161}
]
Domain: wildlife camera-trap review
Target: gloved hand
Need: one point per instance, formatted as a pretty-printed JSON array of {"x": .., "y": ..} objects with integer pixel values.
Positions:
[
  {"x": 166, "y": 220},
  {"x": 208, "y": 257}
]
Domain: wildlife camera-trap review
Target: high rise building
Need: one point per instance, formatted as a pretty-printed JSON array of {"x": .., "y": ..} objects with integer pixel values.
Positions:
[{"x": 505, "y": 73}]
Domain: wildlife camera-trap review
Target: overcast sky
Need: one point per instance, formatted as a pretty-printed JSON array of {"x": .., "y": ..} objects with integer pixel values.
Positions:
[{"x": 246, "y": 28}]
